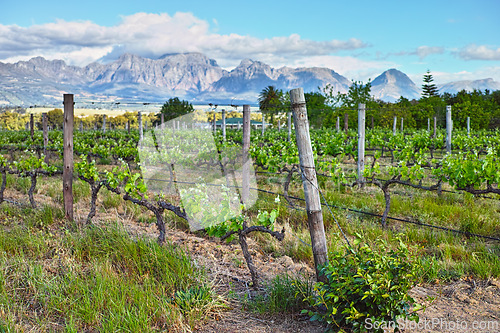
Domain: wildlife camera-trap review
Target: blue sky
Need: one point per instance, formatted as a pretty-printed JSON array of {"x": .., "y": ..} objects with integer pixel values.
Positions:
[{"x": 455, "y": 40}]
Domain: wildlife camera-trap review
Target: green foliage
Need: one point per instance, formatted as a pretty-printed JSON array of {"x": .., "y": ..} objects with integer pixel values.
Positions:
[
  {"x": 271, "y": 101},
  {"x": 174, "y": 108},
  {"x": 55, "y": 118},
  {"x": 365, "y": 285},
  {"x": 429, "y": 89}
]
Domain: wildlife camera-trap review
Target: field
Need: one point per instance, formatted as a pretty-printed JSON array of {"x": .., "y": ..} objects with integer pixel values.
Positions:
[{"x": 106, "y": 272}]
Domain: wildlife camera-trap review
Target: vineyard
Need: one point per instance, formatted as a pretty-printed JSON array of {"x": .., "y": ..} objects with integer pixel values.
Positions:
[{"x": 446, "y": 207}]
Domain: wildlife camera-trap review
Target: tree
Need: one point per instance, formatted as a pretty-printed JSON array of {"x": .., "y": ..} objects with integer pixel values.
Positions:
[
  {"x": 429, "y": 89},
  {"x": 271, "y": 101},
  {"x": 55, "y": 118},
  {"x": 317, "y": 109},
  {"x": 174, "y": 108}
]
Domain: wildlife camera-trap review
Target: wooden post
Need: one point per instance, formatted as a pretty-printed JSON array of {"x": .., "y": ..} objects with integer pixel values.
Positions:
[
  {"x": 394, "y": 123},
  {"x": 428, "y": 124},
  {"x": 162, "y": 116},
  {"x": 245, "y": 192},
  {"x": 402, "y": 128},
  {"x": 449, "y": 127},
  {"x": 81, "y": 124},
  {"x": 104, "y": 123},
  {"x": 45, "y": 137},
  {"x": 279, "y": 125},
  {"x": 289, "y": 123},
  {"x": 68, "y": 156},
  {"x": 346, "y": 122},
  {"x": 468, "y": 126},
  {"x": 337, "y": 125},
  {"x": 361, "y": 143},
  {"x": 32, "y": 126},
  {"x": 373, "y": 126},
  {"x": 139, "y": 119},
  {"x": 435, "y": 126},
  {"x": 223, "y": 124},
  {"x": 309, "y": 180},
  {"x": 263, "y": 123}
]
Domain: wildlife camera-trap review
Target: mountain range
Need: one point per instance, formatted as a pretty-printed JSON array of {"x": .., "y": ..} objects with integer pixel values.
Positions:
[{"x": 190, "y": 76}]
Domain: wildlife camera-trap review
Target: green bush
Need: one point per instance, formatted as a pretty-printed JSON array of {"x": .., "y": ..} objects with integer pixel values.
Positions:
[{"x": 367, "y": 286}]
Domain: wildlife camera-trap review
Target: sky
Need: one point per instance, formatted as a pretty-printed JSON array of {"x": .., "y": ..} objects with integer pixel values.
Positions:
[{"x": 456, "y": 40}]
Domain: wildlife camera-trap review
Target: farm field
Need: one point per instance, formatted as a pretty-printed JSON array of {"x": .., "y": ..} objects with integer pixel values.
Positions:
[{"x": 446, "y": 208}]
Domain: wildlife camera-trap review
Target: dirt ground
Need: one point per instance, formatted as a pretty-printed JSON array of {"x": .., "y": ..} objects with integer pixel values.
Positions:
[{"x": 462, "y": 306}]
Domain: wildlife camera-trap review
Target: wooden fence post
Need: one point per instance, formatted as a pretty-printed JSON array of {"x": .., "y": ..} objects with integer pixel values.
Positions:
[
  {"x": 361, "y": 143},
  {"x": 435, "y": 126},
  {"x": 289, "y": 123},
  {"x": 337, "y": 125},
  {"x": 245, "y": 192},
  {"x": 309, "y": 180},
  {"x": 139, "y": 119},
  {"x": 449, "y": 128},
  {"x": 68, "y": 156},
  {"x": 162, "y": 121},
  {"x": 263, "y": 123},
  {"x": 468, "y": 126},
  {"x": 223, "y": 124},
  {"x": 45, "y": 137},
  {"x": 32, "y": 126},
  {"x": 402, "y": 128},
  {"x": 394, "y": 123},
  {"x": 346, "y": 122}
]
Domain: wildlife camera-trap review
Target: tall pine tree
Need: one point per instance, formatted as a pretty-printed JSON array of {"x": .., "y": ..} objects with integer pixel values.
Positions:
[{"x": 429, "y": 89}]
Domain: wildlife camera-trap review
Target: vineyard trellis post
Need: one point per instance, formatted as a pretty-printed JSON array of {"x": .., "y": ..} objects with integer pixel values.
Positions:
[
  {"x": 361, "y": 143},
  {"x": 402, "y": 128},
  {"x": 428, "y": 124},
  {"x": 279, "y": 125},
  {"x": 468, "y": 127},
  {"x": 32, "y": 126},
  {"x": 45, "y": 136},
  {"x": 224, "y": 124},
  {"x": 245, "y": 191},
  {"x": 263, "y": 123},
  {"x": 139, "y": 120},
  {"x": 309, "y": 180},
  {"x": 394, "y": 124},
  {"x": 346, "y": 122},
  {"x": 435, "y": 127},
  {"x": 449, "y": 128},
  {"x": 68, "y": 156},
  {"x": 289, "y": 123},
  {"x": 104, "y": 123},
  {"x": 337, "y": 125}
]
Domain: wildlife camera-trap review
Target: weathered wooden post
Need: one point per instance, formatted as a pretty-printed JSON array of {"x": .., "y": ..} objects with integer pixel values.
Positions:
[
  {"x": 263, "y": 124},
  {"x": 104, "y": 123},
  {"x": 435, "y": 127},
  {"x": 428, "y": 124},
  {"x": 223, "y": 124},
  {"x": 309, "y": 180},
  {"x": 337, "y": 125},
  {"x": 289, "y": 123},
  {"x": 468, "y": 126},
  {"x": 279, "y": 125},
  {"x": 139, "y": 120},
  {"x": 346, "y": 122},
  {"x": 449, "y": 128},
  {"x": 402, "y": 128},
  {"x": 361, "y": 143},
  {"x": 32, "y": 126},
  {"x": 394, "y": 124},
  {"x": 245, "y": 191},
  {"x": 45, "y": 137},
  {"x": 162, "y": 116},
  {"x": 68, "y": 156}
]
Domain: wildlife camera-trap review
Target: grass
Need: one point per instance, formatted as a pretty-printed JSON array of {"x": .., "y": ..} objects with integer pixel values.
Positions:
[{"x": 99, "y": 278}]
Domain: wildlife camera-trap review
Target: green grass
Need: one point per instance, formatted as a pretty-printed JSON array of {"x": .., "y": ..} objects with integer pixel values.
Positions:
[{"x": 98, "y": 279}]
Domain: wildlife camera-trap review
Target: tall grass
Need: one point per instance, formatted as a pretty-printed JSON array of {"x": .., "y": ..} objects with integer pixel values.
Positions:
[{"x": 99, "y": 279}]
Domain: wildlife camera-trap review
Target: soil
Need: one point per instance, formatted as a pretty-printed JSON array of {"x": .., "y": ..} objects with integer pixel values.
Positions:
[{"x": 466, "y": 305}]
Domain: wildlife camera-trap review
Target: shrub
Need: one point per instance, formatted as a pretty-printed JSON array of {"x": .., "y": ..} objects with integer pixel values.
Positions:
[{"x": 366, "y": 285}]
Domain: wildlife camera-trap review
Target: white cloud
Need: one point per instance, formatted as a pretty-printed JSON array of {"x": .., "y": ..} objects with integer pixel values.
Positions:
[
  {"x": 479, "y": 52},
  {"x": 424, "y": 51},
  {"x": 150, "y": 35}
]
